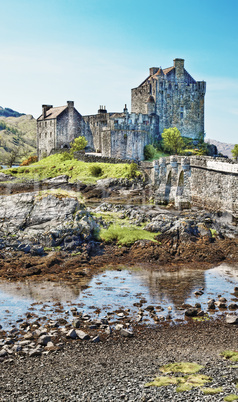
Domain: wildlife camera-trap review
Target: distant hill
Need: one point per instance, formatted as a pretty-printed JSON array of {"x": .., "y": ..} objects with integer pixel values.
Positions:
[
  {"x": 7, "y": 112},
  {"x": 222, "y": 147},
  {"x": 17, "y": 133}
]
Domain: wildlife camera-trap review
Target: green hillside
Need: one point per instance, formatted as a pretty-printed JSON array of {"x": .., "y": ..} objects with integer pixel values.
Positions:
[{"x": 17, "y": 134}]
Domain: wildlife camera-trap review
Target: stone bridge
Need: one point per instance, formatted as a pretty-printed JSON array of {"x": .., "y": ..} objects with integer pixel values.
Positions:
[{"x": 201, "y": 181}]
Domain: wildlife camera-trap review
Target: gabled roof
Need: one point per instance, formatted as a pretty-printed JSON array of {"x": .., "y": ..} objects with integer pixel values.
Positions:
[
  {"x": 167, "y": 70},
  {"x": 53, "y": 113}
]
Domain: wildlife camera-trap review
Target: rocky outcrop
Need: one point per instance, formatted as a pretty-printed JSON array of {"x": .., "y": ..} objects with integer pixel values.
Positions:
[{"x": 45, "y": 219}]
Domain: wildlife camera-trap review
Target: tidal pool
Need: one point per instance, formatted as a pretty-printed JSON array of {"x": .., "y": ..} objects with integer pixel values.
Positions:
[{"x": 115, "y": 289}]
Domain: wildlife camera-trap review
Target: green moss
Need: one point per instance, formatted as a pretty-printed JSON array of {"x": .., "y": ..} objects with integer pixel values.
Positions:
[
  {"x": 47, "y": 249},
  {"x": 74, "y": 254},
  {"x": 125, "y": 235},
  {"x": 213, "y": 232},
  {"x": 55, "y": 165},
  {"x": 162, "y": 382},
  {"x": 184, "y": 387},
  {"x": 203, "y": 318},
  {"x": 231, "y": 397},
  {"x": 231, "y": 355},
  {"x": 211, "y": 391},
  {"x": 182, "y": 367},
  {"x": 183, "y": 383},
  {"x": 109, "y": 216}
]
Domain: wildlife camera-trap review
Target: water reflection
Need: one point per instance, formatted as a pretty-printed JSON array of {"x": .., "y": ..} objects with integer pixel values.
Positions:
[{"x": 115, "y": 289}]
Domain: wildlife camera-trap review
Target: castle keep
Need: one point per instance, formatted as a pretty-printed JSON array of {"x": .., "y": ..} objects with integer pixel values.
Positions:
[
  {"x": 168, "y": 97},
  {"x": 174, "y": 96}
]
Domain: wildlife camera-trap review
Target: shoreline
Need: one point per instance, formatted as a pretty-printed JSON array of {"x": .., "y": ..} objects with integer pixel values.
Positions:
[{"x": 112, "y": 371}]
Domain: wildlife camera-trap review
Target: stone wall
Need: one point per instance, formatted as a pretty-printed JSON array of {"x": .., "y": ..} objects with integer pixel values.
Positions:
[
  {"x": 68, "y": 127},
  {"x": 204, "y": 182},
  {"x": 98, "y": 158},
  {"x": 93, "y": 125},
  {"x": 46, "y": 137},
  {"x": 122, "y": 135}
]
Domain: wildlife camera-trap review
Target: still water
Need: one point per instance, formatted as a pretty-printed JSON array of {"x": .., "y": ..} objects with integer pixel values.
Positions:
[{"x": 115, "y": 289}]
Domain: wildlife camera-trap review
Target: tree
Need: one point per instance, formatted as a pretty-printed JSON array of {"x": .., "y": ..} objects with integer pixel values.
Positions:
[
  {"x": 234, "y": 152},
  {"x": 172, "y": 140},
  {"x": 12, "y": 157},
  {"x": 78, "y": 144}
]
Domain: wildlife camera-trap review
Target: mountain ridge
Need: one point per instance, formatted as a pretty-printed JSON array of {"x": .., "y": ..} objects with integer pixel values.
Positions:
[{"x": 7, "y": 112}]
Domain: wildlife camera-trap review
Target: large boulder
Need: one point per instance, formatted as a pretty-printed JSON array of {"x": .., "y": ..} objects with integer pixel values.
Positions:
[{"x": 45, "y": 218}]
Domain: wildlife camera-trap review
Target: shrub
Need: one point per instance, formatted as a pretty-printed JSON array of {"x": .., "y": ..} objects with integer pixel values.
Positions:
[
  {"x": 29, "y": 161},
  {"x": 149, "y": 152},
  {"x": 133, "y": 169},
  {"x": 78, "y": 144},
  {"x": 95, "y": 170}
]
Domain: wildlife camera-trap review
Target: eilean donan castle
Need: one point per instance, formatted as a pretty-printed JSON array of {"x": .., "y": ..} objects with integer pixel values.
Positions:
[{"x": 168, "y": 97}]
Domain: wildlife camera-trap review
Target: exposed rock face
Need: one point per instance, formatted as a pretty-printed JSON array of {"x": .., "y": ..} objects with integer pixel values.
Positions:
[{"x": 46, "y": 218}]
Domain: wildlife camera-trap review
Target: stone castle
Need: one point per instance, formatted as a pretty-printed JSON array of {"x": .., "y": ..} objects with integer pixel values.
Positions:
[{"x": 166, "y": 98}]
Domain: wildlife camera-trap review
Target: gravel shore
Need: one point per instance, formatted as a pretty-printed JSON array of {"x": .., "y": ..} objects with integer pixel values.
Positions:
[{"x": 117, "y": 368}]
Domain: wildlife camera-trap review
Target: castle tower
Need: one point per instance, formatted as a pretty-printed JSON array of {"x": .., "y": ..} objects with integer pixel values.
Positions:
[{"x": 178, "y": 99}]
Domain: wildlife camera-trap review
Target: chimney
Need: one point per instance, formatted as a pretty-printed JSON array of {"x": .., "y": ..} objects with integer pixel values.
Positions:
[
  {"x": 153, "y": 70},
  {"x": 102, "y": 109},
  {"x": 44, "y": 110},
  {"x": 179, "y": 68},
  {"x": 70, "y": 104}
]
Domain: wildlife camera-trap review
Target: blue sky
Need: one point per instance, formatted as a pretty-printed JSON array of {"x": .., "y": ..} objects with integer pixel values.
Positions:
[{"x": 95, "y": 51}]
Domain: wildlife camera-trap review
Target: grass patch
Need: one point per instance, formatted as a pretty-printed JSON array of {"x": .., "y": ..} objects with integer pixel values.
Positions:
[
  {"x": 125, "y": 235},
  {"x": 162, "y": 382},
  {"x": 230, "y": 355},
  {"x": 185, "y": 383},
  {"x": 55, "y": 165},
  {"x": 109, "y": 216},
  {"x": 211, "y": 391},
  {"x": 231, "y": 397},
  {"x": 183, "y": 367}
]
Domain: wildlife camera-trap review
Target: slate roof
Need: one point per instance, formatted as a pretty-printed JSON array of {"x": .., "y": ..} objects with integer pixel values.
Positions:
[
  {"x": 167, "y": 70},
  {"x": 53, "y": 113}
]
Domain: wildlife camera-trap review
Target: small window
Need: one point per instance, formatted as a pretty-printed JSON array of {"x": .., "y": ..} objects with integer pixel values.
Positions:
[
  {"x": 40, "y": 135},
  {"x": 51, "y": 134},
  {"x": 181, "y": 115},
  {"x": 39, "y": 124},
  {"x": 150, "y": 89},
  {"x": 45, "y": 135},
  {"x": 45, "y": 123},
  {"x": 51, "y": 122},
  {"x": 198, "y": 115},
  {"x": 181, "y": 109}
]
